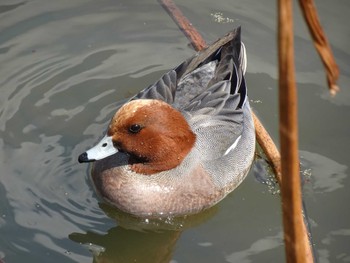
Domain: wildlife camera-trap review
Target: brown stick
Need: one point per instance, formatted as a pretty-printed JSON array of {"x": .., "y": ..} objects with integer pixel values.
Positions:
[
  {"x": 186, "y": 27},
  {"x": 269, "y": 148},
  {"x": 321, "y": 43},
  {"x": 296, "y": 242}
]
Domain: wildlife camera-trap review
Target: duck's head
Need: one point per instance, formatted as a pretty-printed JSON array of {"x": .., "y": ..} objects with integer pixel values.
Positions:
[{"x": 156, "y": 136}]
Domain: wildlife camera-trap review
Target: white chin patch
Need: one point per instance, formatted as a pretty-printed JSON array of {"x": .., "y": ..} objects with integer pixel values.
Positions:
[{"x": 102, "y": 150}]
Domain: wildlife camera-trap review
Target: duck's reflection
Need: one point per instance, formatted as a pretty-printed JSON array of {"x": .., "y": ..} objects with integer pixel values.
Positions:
[
  {"x": 139, "y": 239},
  {"x": 126, "y": 245}
]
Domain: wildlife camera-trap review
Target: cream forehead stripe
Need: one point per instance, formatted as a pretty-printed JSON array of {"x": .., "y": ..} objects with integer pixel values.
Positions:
[{"x": 129, "y": 109}]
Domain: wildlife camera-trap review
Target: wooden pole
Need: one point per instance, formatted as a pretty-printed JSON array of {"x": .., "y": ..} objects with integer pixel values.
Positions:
[{"x": 296, "y": 244}]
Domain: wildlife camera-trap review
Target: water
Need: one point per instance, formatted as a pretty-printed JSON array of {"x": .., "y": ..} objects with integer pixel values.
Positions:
[{"x": 64, "y": 65}]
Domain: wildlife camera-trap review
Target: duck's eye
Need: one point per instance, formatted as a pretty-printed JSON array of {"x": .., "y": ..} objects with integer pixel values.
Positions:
[{"x": 135, "y": 128}]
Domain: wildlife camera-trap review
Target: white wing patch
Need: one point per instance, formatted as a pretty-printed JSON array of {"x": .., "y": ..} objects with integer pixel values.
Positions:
[{"x": 233, "y": 145}]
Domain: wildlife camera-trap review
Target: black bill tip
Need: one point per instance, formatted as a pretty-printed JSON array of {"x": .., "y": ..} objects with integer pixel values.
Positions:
[{"x": 83, "y": 158}]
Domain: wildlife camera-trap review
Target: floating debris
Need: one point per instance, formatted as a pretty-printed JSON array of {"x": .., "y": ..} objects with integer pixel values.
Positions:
[{"x": 218, "y": 17}]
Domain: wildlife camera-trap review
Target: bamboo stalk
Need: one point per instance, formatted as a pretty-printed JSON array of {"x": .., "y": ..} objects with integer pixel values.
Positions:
[
  {"x": 321, "y": 43},
  {"x": 296, "y": 243}
]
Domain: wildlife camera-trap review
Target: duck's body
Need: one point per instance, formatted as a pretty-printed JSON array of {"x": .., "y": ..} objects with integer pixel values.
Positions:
[{"x": 182, "y": 144}]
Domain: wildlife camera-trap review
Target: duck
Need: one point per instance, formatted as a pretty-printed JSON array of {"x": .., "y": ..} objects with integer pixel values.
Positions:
[{"x": 183, "y": 144}]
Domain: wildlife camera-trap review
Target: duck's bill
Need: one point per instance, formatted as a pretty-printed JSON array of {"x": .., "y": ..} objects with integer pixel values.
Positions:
[{"x": 102, "y": 150}]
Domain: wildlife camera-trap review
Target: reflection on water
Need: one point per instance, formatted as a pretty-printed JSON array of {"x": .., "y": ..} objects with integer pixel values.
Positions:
[
  {"x": 259, "y": 246},
  {"x": 122, "y": 245},
  {"x": 327, "y": 174},
  {"x": 340, "y": 235},
  {"x": 138, "y": 239},
  {"x": 64, "y": 66}
]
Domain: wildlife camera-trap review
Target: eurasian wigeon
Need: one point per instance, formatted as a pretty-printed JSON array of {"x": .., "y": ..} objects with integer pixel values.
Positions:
[{"x": 182, "y": 144}]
